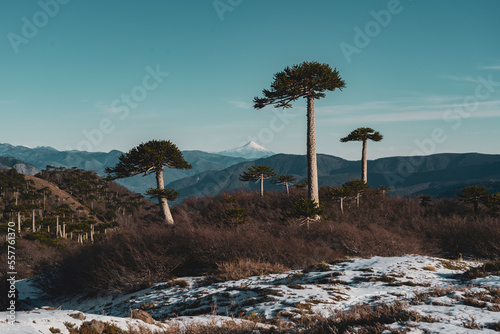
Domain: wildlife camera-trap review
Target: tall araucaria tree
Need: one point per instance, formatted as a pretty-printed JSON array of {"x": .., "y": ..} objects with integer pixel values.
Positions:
[
  {"x": 258, "y": 173},
  {"x": 308, "y": 80},
  {"x": 363, "y": 134},
  {"x": 147, "y": 158}
]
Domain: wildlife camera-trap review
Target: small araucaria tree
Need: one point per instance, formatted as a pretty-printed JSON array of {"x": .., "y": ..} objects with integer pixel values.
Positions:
[
  {"x": 356, "y": 187},
  {"x": 363, "y": 134},
  {"x": 258, "y": 173},
  {"x": 340, "y": 194},
  {"x": 425, "y": 200},
  {"x": 147, "y": 158},
  {"x": 308, "y": 80},
  {"x": 474, "y": 195},
  {"x": 285, "y": 180}
]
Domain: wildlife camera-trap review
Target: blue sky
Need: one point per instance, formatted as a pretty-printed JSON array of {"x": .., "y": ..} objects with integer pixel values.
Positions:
[{"x": 101, "y": 75}]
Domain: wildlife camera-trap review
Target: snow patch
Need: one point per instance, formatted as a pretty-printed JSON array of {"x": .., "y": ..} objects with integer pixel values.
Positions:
[
  {"x": 429, "y": 286},
  {"x": 251, "y": 150}
]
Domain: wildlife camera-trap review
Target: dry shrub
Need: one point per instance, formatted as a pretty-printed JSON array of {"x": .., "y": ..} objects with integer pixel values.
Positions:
[
  {"x": 422, "y": 297},
  {"x": 494, "y": 326},
  {"x": 32, "y": 258},
  {"x": 487, "y": 269},
  {"x": 366, "y": 319},
  {"x": 201, "y": 244},
  {"x": 243, "y": 268},
  {"x": 471, "y": 323},
  {"x": 122, "y": 261}
]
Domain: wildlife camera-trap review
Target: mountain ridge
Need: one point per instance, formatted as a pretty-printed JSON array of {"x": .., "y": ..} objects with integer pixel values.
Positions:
[
  {"x": 213, "y": 173},
  {"x": 20, "y": 166},
  {"x": 435, "y": 175},
  {"x": 40, "y": 157}
]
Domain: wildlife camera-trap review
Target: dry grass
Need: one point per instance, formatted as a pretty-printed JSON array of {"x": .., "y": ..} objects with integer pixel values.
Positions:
[
  {"x": 365, "y": 319},
  {"x": 359, "y": 319},
  {"x": 488, "y": 268},
  {"x": 243, "y": 268},
  {"x": 494, "y": 326}
]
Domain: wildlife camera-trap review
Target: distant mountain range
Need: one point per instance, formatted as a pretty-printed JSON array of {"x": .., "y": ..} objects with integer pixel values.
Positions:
[
  {"x": 436, "y": 175},
  {"x": 40, "y": 157},
  {"x": 213, "y": 173}
]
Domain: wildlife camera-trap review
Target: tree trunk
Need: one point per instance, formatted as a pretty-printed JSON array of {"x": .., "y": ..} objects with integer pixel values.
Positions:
[
  {"x": 287, "y": 189},
  {"x": 261, "y": 185},
  {"x": 162, "y": 200},
  {"x": 312, "y": 166},
  {"x": 364, "y": 164},
  {"x": 33, "y": 221},
  {"x": 342, "y": 204}
]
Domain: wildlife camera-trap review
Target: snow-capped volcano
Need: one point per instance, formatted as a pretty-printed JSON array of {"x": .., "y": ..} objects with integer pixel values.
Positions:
[{"x": 251, "y": 150}]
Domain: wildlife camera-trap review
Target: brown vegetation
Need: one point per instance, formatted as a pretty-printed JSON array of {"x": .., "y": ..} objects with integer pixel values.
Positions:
[{"x": 202, "y": 243}]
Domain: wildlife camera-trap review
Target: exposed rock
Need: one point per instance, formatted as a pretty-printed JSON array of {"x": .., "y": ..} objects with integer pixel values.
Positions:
[
  {"x": 142, "y": 315},
  {"x": 78, "y": 316},
  {"x": 96, "y": 326}
]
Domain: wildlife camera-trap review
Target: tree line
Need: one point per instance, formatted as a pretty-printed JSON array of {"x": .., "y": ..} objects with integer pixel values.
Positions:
[{"x": 45, "y": 213}]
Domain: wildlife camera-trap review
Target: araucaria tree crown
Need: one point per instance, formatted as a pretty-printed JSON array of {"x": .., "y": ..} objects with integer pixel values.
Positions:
[
  {"x": 258, "y": 173},
  {"x": 308, "y": 80},
  {"x": 147, "y": 158},
  {"x": 363, "y": 135}
]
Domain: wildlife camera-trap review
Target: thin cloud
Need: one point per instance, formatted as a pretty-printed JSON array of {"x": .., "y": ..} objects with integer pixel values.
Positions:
[
  {"x": 494, "y": 67},
  {"x": 394, "y": 105},
  {"x": 241, "y": 104},
  {"x": 459, "y": 78},
  {"x": 396, "y": 111}
]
